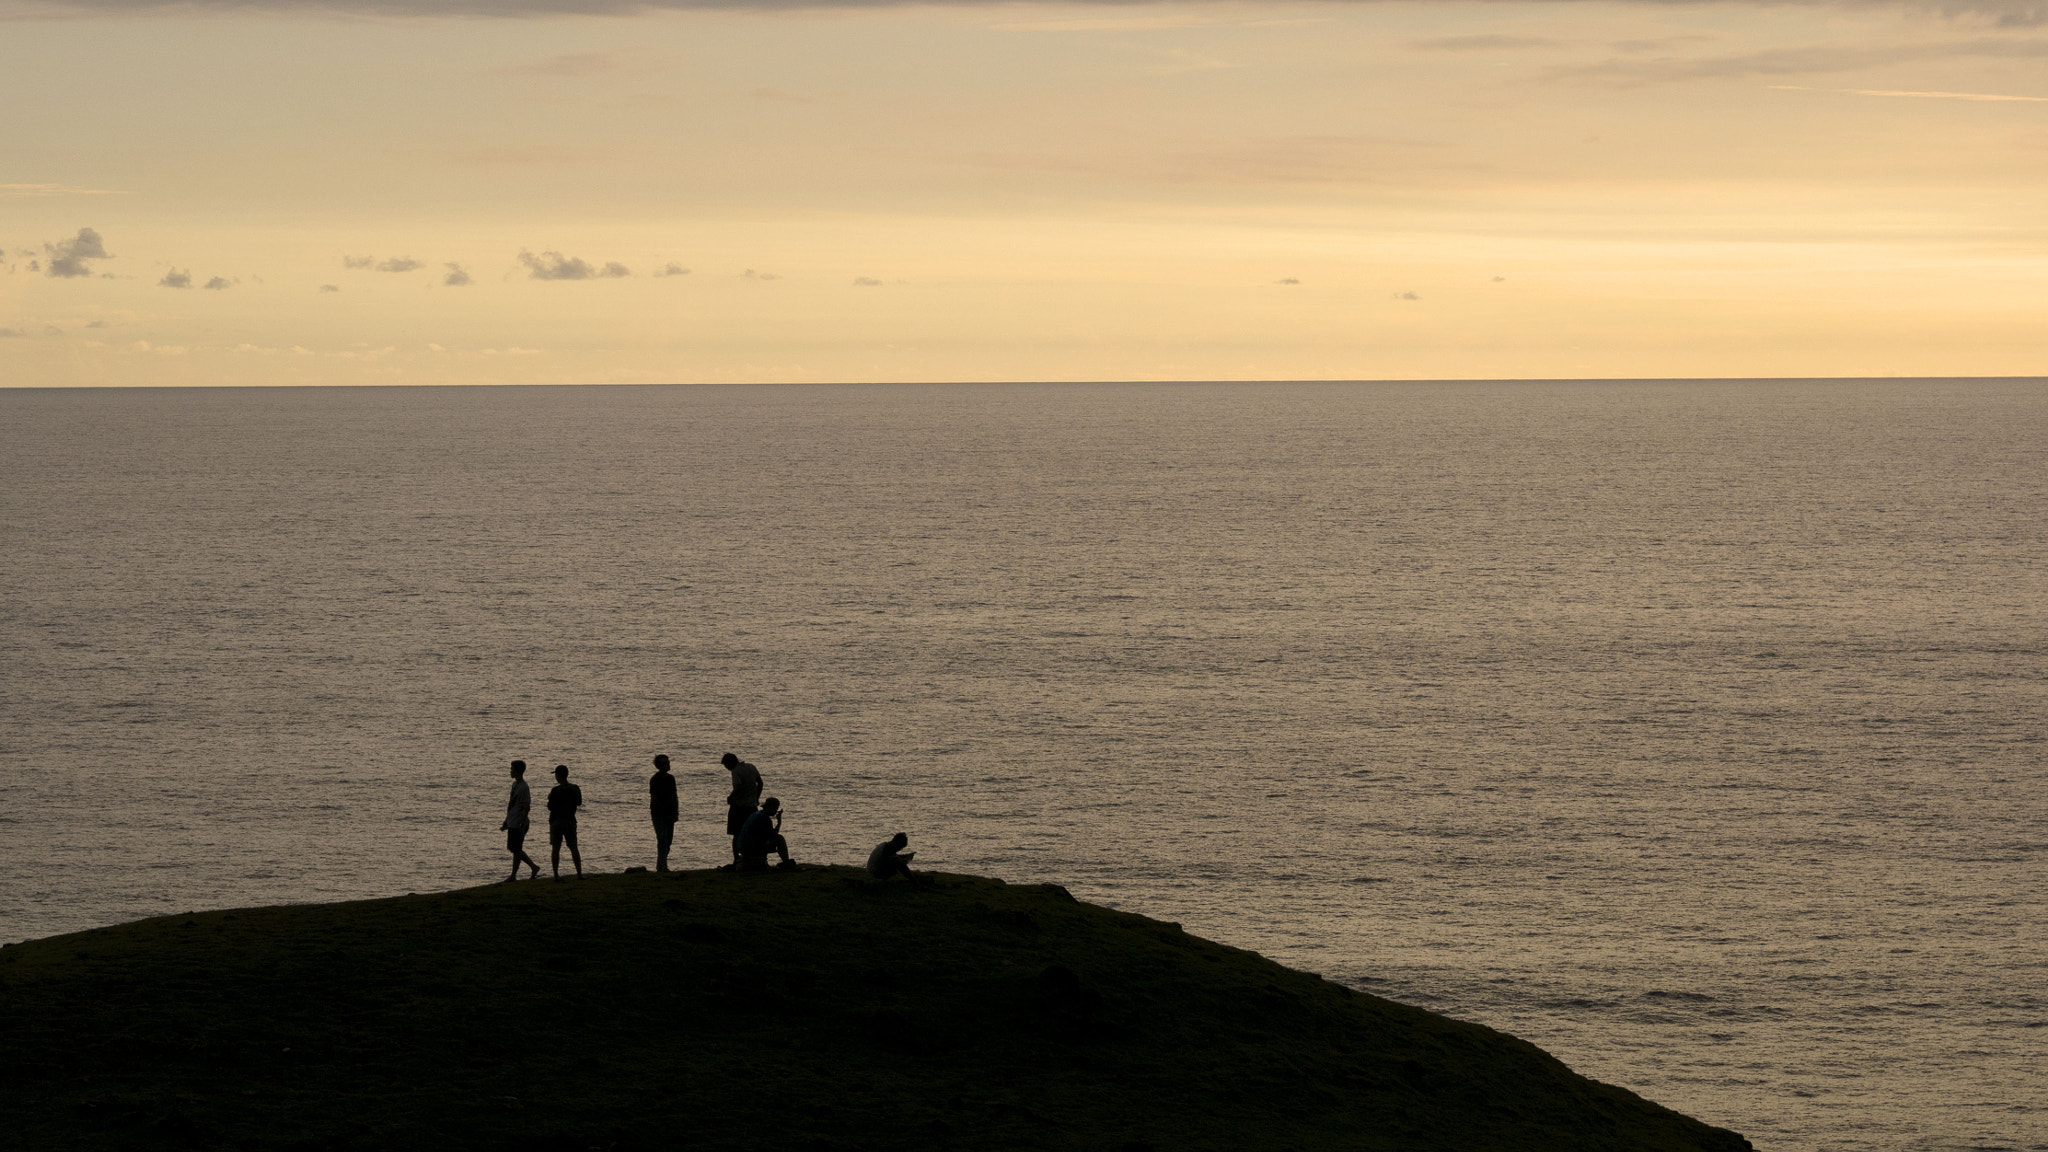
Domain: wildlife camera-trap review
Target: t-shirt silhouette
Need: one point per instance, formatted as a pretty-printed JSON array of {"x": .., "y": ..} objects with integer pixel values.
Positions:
[
  {"x": 563, "y": 800},
  {"x": 661, "y": 797}
]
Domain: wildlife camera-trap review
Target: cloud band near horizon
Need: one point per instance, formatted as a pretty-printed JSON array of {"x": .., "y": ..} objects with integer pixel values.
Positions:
[{"x": 2004, "y": 13}]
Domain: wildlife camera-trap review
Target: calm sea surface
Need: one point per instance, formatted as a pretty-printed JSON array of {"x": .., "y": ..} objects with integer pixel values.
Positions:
[{"x": 1693, "y": 731}]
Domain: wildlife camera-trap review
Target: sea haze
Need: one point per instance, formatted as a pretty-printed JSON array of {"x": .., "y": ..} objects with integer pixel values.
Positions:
[{"x": 1693, "y": 731}]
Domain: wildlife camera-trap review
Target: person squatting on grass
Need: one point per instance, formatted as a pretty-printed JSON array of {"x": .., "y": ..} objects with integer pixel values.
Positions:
[
  {"x": 515, "y": 824},
  {"x": 889, "y": 859},
  {"x": 761, "y": 834},
  {"x": 563, "y": 801}
]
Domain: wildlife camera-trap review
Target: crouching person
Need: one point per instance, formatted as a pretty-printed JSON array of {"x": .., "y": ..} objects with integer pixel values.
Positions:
[
  {"x": 889, "y": 859},
  {"x": 762, "y": 834}
]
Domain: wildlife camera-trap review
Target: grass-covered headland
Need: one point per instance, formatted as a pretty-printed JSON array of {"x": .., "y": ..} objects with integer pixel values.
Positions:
[{"x": 779, "y": 1011}]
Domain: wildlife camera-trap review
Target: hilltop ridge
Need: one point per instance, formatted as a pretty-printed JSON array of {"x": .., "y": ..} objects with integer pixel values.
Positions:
[{"x": 803, "y": 1011}]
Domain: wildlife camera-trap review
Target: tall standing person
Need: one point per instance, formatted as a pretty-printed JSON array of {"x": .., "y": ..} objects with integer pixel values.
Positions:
[
  {"x": 661, "y": 804},
  {"x": 515, "y": 824},
  {"x": 563, "y": 801},
  {"x": 741, "y": 802}
]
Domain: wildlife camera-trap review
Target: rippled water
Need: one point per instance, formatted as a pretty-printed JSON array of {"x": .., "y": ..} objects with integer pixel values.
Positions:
[{"x": 1693, "y": 731}]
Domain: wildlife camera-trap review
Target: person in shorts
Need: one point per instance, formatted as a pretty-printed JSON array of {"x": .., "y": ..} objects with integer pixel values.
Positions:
[
  {"x": 563, "y": 801},
  {"x": 742, "y": 800},
  {"x": 515, "y": 823}
]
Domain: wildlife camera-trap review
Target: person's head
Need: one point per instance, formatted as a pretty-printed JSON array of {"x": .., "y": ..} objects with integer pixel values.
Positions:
[
  {"x": 728, "y": 760},
  {"x": 562, "y": 772},
  {"x": 900, "y": 840},
  {"x": 519, "y": 767},
  {"x": 661, "y": 763},
  {"x": 771, "y": 804}
]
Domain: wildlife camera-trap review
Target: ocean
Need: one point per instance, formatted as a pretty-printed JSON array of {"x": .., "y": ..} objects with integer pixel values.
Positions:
[{"x": 1693, "y": 731}]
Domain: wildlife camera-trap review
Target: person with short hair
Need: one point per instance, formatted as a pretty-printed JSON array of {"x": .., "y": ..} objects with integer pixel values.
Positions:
[
  {"x": 661, "y": 805},
  {"x": 889, "y": 859},
  {"x": 762, "y": 834},
  {"x": 515, "y": 824},
  {"x": 742, "y": 800},
  {"x": 563, "y": 801}
]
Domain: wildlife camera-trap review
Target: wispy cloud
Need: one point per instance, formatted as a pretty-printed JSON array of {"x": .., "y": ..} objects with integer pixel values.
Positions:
[
  {"x": 866, "y": 282},
  {"x": 330, "y": 287},
  {"x": 522, "y": 155},
  {"x": 1488, "y": 43},
  {"x": 68, "y": 257},
  {"x": 673, "y": 270},
  {"x": 575, "y": 65},
  {"x": 457, "y": 277},
  {"x": 400, "y": 264},
  {"x": 218, "y": 284},
  {"x": 358, "y": 261},
  {"x": 1794, "y": 61},
  {"x": 1982, "y": 96},
  {"x": 1108, "y": 23},
  {"x": 555, "y": 266},
  {"x": 175, "y": 279},
  {"x": 2011, "y": 13},
  {"x": 56, "y": 190}
]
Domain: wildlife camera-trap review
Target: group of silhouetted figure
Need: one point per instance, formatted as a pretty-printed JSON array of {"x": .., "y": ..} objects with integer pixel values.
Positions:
[{"x": 754, "y": 824}]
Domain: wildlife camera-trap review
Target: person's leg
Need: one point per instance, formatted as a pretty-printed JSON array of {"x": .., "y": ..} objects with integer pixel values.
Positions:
[
  {"x": 781, "y": 847},
  {"x": 664, "y": 835},
  {"x": 555, "y": 848},
  {"x": 512, "y": 840},
  {"x": 575, "y": 857}
]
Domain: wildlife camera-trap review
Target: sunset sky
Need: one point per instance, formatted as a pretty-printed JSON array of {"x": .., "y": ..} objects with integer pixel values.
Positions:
[{"x": 466, "y": 191}]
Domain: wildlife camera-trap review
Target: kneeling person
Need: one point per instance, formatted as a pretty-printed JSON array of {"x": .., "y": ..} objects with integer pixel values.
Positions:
[{"x": 761, "y": 834}]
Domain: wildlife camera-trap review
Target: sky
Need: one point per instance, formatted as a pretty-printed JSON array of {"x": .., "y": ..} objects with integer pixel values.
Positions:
[{"x": 590, "y": 191}]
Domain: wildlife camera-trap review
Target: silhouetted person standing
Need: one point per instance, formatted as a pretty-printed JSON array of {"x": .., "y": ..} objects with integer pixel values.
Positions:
[
  {"x": 889, "y": 859},
  {"x": 661, "y": 804},
  {"x": 515, "y": 824},
  {"x": 762, "y": 834},
  {"x": 744, "y": 798},
  {"x": 563, "y": 801}
]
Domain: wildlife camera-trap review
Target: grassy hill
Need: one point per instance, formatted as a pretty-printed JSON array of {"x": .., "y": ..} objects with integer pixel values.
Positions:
[{"x": 788, "y": 1011}]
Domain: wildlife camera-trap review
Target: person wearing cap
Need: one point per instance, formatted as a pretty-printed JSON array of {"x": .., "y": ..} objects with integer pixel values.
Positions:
[{"x": 661, "y": 805}]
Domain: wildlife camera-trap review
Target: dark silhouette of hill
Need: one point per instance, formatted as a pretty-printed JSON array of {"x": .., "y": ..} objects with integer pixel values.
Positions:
[{"x": 796, "y": 1011}]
